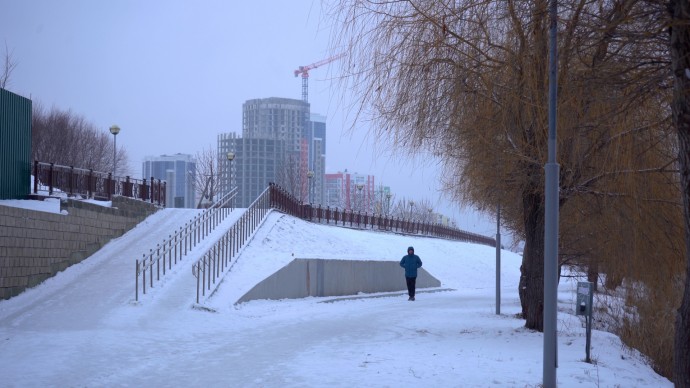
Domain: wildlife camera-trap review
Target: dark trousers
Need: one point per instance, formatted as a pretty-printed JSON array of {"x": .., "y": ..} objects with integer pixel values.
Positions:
[{"x": 411, "y": 285}]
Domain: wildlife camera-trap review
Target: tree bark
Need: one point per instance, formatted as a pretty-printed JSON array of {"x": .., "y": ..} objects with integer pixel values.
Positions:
[
  {"x": 593, "y": 272},
  {"x": 531, "y": 287},
  {"x": 680, "y": 64}
]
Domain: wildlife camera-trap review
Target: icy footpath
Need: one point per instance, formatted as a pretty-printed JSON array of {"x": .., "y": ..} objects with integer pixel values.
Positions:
[{"x": 83, "y": 295}]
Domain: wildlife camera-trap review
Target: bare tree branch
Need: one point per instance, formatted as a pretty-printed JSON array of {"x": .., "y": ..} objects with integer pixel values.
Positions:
[{"x": 9, "y": 65}]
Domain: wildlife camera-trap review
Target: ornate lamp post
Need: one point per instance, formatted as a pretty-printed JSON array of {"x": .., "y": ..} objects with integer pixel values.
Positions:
[
  {"x": 114, "y": 129},
  {"x": 359, "y": 187},
  {"x": 310, "y": 175}
]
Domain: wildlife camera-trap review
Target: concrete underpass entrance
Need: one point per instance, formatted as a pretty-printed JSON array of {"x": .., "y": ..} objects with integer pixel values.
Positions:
[{"x": 321, "y": 277}]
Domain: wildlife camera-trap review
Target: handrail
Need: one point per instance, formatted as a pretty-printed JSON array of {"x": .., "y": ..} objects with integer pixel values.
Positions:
[
  {"x": 218, "y": 258},
  {"x": 94, "y": 184},
  {"x": 282, "y": 200},
  {"x": 214, "y": 262},
  {"x": 176, "y": 246}
]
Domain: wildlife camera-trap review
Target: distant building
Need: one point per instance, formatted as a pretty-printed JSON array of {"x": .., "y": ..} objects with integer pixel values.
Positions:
[
  {"x": 350, "y": 191},
  {"x": 281, "y": 143},
  {"x": 256, "y": 163},
  {"x": 316, "y": 136},
  {"x": 179, "y": 173}
]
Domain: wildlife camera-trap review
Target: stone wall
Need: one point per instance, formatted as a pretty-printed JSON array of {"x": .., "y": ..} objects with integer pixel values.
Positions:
[{"x": 36, "y": 245}]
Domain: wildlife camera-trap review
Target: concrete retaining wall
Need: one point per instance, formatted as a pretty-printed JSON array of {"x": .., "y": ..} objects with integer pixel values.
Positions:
[
  {"x": 36, "y": 245},
  {"x": 319, "y": 277}
]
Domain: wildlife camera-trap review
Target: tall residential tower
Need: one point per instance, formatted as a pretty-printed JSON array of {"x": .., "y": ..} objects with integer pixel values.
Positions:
[{"x": 279, "y": 143}]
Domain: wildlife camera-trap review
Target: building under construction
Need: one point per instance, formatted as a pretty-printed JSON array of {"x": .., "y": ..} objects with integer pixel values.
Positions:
[{"x": 280, "y": 143}]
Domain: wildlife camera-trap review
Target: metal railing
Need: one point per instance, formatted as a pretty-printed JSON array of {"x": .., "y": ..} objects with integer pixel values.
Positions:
[
  {"x": 218, "y": 259},
  {"x": 94, "y": 184},
  {"x": 213, "y": 264},
  {"x": 176, "y": 246},
  {"x": 282, "y": 200}
]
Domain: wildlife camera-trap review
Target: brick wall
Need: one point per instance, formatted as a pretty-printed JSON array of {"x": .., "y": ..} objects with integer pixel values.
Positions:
[{"x": 36, "y": 245}]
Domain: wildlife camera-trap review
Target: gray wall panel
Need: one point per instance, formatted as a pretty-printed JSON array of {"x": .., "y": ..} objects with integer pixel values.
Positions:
[{"x": 319, "y": 277}]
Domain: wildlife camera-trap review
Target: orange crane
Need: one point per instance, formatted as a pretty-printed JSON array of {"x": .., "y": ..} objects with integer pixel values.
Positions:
[{"x": 304, "y": 70}]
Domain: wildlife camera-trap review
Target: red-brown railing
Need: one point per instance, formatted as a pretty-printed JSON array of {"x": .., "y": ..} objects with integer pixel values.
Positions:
[
  {"x": 49, "y": 177},
  {"x": 282, "y": 200},
  {"x": 217, "y": 260}
]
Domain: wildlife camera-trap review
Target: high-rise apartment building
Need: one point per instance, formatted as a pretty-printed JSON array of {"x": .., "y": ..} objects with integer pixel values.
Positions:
[
  {"x": 256, "y": 162},
  {"x": 316, "y": 137},
  {"x": 179, "y": 172},
  {"x": 280, "y": 144}
]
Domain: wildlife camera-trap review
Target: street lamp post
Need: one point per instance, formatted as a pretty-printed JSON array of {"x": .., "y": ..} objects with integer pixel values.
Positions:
[
  {"x": 114, "y": 129},
  {"x": 388, "y": 204},
  {"x": 359, "y": 187},
  {"x": 310, "y": 175},
  {"x": 551, "y": 198},
  {"x": 230, "y": 156}
]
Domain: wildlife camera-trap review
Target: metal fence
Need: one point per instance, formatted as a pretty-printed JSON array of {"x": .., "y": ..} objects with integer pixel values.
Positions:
[
  {"x": 93, "y": 184},
  {"x": 176, "y": 246},
  {"x": 282, "y": 200},
  {"x": 217, "y": 259}
]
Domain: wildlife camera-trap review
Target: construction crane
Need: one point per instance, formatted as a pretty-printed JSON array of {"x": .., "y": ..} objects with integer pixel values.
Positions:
[{"x": 304, "y": 70}]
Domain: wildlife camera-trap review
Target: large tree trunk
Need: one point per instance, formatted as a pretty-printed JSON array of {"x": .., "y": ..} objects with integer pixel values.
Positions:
[
  {"x": 531, "y": 287},
  {"x": 680, "y": 64}
]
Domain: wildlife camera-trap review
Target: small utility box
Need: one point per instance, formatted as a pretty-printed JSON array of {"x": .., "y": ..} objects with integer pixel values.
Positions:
[
  {"x": 585, "y": 297},
  {"x": 585, "y": 300}
]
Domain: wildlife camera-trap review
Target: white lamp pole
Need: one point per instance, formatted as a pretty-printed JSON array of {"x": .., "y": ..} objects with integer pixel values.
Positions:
[
  {"x": 359, "y": 187},
  {"x": 231, "y": 157},
  {"x": 388, "y": 204},
  {"x": 114, "y": 129}
]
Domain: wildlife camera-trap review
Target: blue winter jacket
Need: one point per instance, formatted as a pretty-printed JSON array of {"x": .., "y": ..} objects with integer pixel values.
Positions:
[{"x": 411, "y": 263}]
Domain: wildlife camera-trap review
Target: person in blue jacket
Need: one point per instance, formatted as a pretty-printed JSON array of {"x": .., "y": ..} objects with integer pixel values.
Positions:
[{"x": 411, "y": 262}]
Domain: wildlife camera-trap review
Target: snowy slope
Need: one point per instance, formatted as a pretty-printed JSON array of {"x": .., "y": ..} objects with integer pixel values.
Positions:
[{"x": 82, "y": 328}]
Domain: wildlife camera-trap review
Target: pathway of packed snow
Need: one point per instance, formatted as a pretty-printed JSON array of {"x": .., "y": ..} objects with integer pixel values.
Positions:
[{"x": 82, "y": 327}]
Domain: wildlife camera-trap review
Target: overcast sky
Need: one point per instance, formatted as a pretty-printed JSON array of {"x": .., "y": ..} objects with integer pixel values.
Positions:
[{"x": 174, "y": 74}]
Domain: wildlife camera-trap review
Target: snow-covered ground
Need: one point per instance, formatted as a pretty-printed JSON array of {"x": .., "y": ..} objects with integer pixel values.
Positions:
[{"x": 83, "y": 327}]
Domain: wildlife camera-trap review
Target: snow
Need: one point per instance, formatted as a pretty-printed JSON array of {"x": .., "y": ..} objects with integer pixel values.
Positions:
[
  {"x": 49, "y": 205},
  {"x": 83, "y": 327}
]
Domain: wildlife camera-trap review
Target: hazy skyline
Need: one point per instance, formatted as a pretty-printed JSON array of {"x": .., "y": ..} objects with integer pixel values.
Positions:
[{"x": 174, "y": 74}]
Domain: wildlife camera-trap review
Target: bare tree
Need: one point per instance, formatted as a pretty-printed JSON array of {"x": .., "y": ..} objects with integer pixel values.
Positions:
[
  {"x": 467, "y": 81},
  {"x": 381, "y": 199},
  {"x": 9, "y": 65},
  {"x": 292, "y": 176},
  {"x": 423, "y": 211},
  {"x": 65, "y": 138},
  {"x": 207, "y": 178}
]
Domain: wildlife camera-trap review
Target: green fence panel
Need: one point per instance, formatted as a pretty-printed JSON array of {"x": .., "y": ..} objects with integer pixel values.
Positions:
[{"x": 15, "y": 145}]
